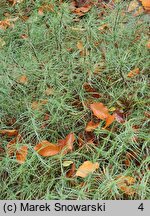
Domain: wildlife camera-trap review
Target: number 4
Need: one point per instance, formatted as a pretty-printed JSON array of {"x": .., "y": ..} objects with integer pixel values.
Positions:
[{"x": 141, "y": 207}]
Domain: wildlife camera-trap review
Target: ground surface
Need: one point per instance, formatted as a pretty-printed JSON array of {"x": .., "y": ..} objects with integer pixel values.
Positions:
[{"x": 48, "y": 58}]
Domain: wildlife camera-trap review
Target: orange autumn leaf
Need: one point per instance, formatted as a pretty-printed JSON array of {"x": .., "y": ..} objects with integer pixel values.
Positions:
[
  {"x": 133, "y": 73},
  {"x": 23, "y": 79},
  {"x": 109, "y": 120},
  {"x": 45, "y": 148},
  {"x": 9, "y": 133},
  {"x": 124, "y": 183},
  {"x": 21, "y": 154},
  {"x": 86, "y": 168},
  {"x": 99, "y": 110},
  {"x": 146, "y": 4},
  {"x": 91, "y": 126}
]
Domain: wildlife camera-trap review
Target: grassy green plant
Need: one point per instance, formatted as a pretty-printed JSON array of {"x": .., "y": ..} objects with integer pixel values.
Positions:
[{"x": 49, "y": 58}]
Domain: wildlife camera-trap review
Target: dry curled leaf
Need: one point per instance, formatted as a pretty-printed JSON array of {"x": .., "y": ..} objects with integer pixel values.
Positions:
[
  {"x": 45, "y": 148},
  {"x": 91, "y": 126},
  {"x": 9, "y": 133},
  {"x": 86, "y": 168},
  {"x": 133, "y": 73},
  {"x": 21, "y": 154}
]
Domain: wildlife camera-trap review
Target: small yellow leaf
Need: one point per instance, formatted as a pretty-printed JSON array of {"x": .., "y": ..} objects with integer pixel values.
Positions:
[
  {"x": 112, "y": 109},
  {"x": 45, "y": 148},
  {"x": 67, "y": 163}
]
